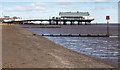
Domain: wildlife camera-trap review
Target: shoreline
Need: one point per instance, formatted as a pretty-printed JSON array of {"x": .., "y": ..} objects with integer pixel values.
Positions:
[{"x": 50, "y": 54}]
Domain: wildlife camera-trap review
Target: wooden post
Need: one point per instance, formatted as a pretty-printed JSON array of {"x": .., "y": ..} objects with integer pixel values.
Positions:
[{"x": 107, "y": 28}]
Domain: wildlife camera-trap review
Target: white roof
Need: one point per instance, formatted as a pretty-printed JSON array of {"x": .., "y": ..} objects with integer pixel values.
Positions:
[{"x": 73, "y": 14}]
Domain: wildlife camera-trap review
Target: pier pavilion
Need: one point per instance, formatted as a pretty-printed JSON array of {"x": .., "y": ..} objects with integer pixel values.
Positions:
[{"x": 80, "y": 17}]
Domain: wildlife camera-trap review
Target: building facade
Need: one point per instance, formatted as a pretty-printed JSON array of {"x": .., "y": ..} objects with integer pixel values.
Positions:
[{"x": 75, "y": 15}]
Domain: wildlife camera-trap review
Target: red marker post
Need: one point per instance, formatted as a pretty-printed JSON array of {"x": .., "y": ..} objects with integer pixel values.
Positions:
[{"x": 107, "y": 18}]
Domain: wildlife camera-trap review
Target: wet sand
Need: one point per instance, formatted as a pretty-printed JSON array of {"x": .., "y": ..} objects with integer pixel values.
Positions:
[{"x": 20, "y": 49}]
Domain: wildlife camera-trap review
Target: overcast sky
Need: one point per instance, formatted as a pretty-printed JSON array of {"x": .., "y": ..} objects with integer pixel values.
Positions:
[{"x": 99, "y": 9}]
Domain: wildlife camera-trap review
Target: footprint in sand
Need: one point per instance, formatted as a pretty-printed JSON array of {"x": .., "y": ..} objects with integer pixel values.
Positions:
[{"x": 8, "y": 65}]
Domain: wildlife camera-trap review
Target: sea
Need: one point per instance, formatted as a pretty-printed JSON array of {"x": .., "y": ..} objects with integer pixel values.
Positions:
[{"x": 104, "y": 49}]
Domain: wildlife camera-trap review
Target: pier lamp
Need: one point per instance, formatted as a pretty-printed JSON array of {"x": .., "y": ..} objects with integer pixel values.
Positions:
[{"x": 107, "y": 18}]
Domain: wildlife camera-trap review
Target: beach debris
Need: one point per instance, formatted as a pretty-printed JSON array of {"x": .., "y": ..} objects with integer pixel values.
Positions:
[{"x": 34, "y": 34}]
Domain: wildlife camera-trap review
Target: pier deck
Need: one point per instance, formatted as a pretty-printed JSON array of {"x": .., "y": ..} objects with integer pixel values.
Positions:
[{"x": 55, "y": 21}]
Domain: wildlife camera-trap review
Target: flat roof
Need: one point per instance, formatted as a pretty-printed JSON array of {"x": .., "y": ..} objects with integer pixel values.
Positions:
[{"x": 73, "y": 14}]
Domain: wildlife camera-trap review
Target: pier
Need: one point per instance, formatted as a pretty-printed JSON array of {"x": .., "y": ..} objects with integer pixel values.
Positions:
[
  {"x": 54, "y": 21},
  {"x": 62, "y": 19}
]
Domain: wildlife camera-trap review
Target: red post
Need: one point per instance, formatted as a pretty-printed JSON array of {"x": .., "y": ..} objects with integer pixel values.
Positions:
[{"x": 107, "y": 18}]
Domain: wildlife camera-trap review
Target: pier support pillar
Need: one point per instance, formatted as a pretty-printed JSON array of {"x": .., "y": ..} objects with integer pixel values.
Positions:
[
  {"x": 79, "y": 23},
  {"x": 89, "y": 23},
  {"x": 64, "y": 22},
  {"x": 56, "y": 22},
  {"x": 50, "y": 22},
  {"x": 40, "y": 22},
  {"x": 85, "y": 23},
  {"x": 72, "y": 22}
]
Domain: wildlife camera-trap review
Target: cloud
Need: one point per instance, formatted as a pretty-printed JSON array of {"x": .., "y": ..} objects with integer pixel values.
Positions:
[
  {"x": 58, "y": 0},
  {"x": 96, "y": 9},
  {"x": 26, "y": 8},
  {"x": 17, "y": 0},
  {"x": 86, "y": 0},
  {"x": 64, "y": 5},
  {"x": 101, "y": 6}
]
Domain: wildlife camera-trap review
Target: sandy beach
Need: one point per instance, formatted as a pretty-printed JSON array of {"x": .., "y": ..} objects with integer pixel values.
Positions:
[{"x": 22, "y": 49}]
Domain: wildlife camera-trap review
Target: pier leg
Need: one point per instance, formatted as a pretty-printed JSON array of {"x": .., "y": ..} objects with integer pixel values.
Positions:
[
  {"x": 64, "y": 22},
  {"x": 50, "y": 22},
  {"x": 78, "y": 22},
  {"x": 85, "y": 23},
  {"x": 81, "y": 23},
  {"x": 56, "y": 22},
  {"x": 72, "y": 22},
  {"x": 89, "y": 23}
]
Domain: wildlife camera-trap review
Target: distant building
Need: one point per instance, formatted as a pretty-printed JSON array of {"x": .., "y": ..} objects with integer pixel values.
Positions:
[
  {"x": 74, "y": 15},
  {"x": 6, "y": 17},
  {"x": 16, "y": 17},
  {"x": 80, "y": 17}
]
